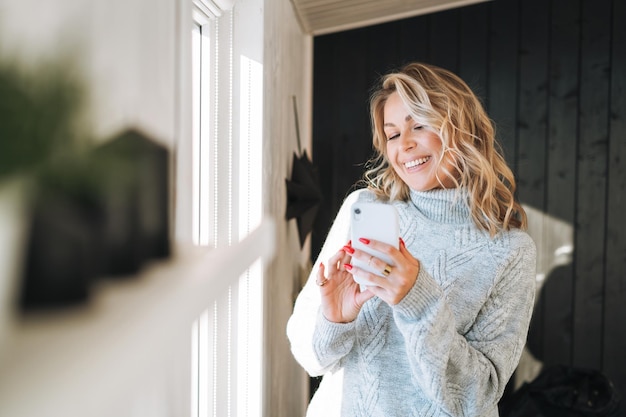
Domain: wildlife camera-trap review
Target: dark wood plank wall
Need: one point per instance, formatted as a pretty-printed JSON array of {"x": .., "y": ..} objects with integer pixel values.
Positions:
[
  {"x": 592, "y": 180},
  {"x": 556, "y": 308},
  {"x": 614, "y": 302},
  {"x": 552, "y": 75}
]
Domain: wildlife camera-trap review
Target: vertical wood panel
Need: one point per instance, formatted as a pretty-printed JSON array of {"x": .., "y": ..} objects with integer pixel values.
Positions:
[
  {"x": 532, "y": 133},
  {"x": 414, "y": 42},
  {"x": 382, "y": 52},
  {"x": 473, "y": 51},
  {"x": 557, "y": 292},
  {"x": 444, "y": 29},
  {"x": 532, "y": 111},
  {"x": 352, "y": 144},
  {"x": 502, "y": 83},
  {"x": 614, "y": 359},
  {"x": 592, "y": 171},
  {"x": 324, "y": 90}
]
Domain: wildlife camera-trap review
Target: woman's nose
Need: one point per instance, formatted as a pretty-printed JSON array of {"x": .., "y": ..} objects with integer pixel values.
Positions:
[{"x": 407, "y": 141}]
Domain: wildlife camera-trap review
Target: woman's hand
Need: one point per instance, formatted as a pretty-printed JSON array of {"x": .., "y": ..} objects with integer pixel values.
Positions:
[
  {"x": 342, "y": 298},
  {"x": 400, "y": 277}
]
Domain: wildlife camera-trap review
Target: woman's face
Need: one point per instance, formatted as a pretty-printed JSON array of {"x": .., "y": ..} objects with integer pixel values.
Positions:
[{"x": 412, "y": 149}]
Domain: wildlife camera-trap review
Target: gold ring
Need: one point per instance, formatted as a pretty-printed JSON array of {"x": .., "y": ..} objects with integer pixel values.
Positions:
[
  {"x": 370, "y": 260},
  {"x": 321, "y": 284},
  {"x": 387, "y": 270}
]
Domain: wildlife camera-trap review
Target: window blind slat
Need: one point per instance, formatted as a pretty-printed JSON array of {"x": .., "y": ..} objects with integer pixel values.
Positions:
[{"x": 229, "y": 334}]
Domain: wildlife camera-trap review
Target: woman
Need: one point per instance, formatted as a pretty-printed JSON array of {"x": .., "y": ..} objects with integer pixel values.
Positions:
[{"x": 442, "y": 333}]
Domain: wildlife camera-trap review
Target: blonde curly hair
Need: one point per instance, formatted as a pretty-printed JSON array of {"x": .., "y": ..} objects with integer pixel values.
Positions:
[{"x": 442, "y": 102}]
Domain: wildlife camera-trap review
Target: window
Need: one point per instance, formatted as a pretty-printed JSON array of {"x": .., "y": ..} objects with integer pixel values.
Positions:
[{"x": 227, "y": 205}]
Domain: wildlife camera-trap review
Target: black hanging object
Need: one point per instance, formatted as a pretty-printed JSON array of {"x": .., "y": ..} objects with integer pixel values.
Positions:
[{"x": 304, "y": 194}]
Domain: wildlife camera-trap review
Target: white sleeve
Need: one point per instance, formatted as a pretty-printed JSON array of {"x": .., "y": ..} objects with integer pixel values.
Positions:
[{"x": 316, "y": 343}]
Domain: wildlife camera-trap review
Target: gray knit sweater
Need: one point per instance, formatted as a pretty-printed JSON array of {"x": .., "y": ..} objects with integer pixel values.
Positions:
[{"x": 450, "y": 346}]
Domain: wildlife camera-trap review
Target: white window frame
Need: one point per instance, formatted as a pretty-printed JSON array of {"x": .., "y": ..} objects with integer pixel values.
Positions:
[{"x": 227, "y": 338}]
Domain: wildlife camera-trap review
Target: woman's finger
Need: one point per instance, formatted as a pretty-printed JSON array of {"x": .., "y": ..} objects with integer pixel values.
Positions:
[
  {"x": 362, "y": 296},
  {"x": 384, "y": 288},
  {"x": 391, "y": 251},
  {"x": 347, "y": 256},
  {"x": 403, "y": 250},
  {"x": 321, "y": 279},
  {"x": 366, "y": 278},
  {"x": 335, "y": 262}
]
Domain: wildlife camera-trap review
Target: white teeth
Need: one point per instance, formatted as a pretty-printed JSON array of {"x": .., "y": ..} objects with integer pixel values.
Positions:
[{"x": 416, "y": 162}]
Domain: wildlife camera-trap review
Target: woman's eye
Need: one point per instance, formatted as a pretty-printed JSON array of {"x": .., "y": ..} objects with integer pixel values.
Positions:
[
  {"x": 417, "y": 127},
  {"x": 392, "y": 137}
]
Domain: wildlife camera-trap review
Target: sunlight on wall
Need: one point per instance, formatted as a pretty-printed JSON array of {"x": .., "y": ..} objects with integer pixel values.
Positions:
[{"x": 554, "y": 239}]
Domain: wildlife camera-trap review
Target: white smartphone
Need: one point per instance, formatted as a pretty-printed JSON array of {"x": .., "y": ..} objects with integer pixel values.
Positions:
[{"x": 375, "y": 221}]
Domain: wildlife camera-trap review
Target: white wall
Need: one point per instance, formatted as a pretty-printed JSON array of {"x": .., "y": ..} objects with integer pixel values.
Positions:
[
  {"x": 129, "y": 53},
  {"x": 288, "y": 72},
  {"x": 126, "y": 50}
]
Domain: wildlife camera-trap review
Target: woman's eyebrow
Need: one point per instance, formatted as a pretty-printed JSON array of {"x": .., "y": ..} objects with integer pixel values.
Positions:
[{"x": 406, "y": 119}]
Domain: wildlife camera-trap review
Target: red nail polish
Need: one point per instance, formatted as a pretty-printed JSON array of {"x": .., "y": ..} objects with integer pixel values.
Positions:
[
  {"x": 348, "y": 267},
  {"x": 364, "y": 241},
  {"x": 402, "y": 241},
  {"x": 348, "y": 249}
]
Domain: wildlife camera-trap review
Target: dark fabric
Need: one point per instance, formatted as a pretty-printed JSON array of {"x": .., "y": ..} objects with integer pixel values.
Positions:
[{"x": 561, "y": 391}]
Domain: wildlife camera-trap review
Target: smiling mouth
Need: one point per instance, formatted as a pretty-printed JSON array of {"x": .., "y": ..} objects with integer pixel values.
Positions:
[{"x": 417, "y": 162}]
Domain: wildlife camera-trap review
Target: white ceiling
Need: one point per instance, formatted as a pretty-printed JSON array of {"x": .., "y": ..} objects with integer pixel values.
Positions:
[{"x": 318, "y": 17}]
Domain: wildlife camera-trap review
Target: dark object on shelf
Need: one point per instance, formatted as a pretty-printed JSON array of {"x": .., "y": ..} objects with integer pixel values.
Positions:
[
  {"x": 561, "y": 391},
  {"x": 64, "y": 239},
  {"x": 59, "y": 269},
  {"x": 134, "y": 198},
  {"x": 101, "y": 215}
]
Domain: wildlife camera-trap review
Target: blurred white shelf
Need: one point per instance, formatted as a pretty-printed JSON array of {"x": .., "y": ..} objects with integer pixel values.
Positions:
[{"x": 81, "y": 361}]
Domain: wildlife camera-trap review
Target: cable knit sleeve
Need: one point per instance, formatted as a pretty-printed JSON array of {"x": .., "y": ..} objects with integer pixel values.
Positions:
[
  {"x": 316, "y": 343},
  {"x": 464, "y": 369}
]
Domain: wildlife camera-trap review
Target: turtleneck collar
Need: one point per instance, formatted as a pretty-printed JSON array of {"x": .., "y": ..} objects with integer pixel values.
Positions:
[{"x": 443, "y": 205}]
